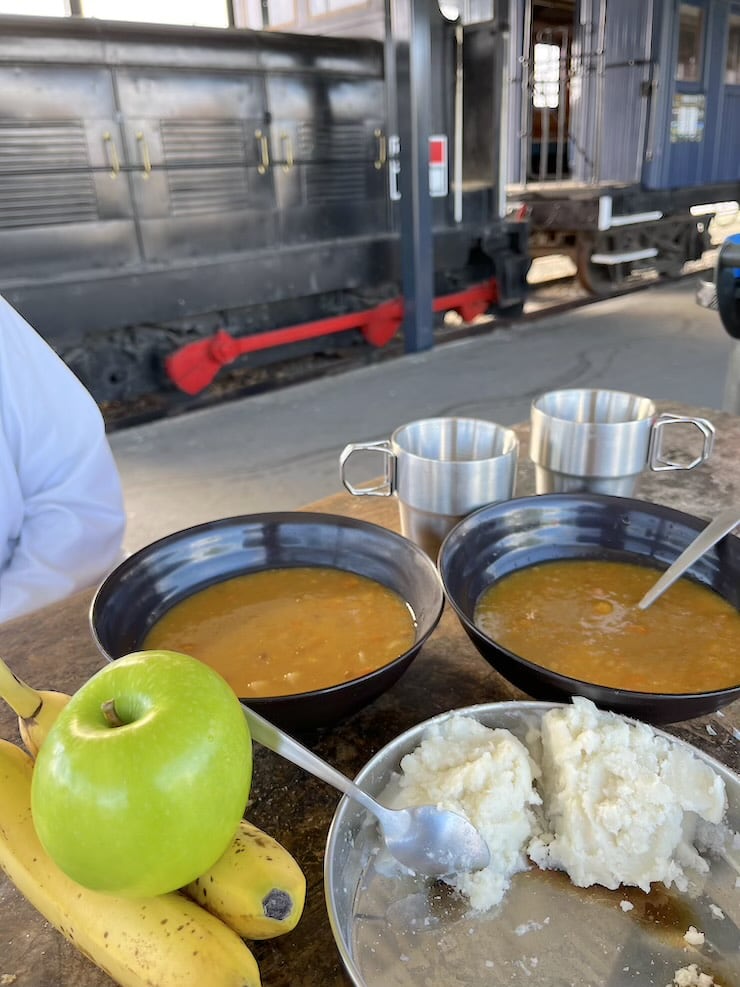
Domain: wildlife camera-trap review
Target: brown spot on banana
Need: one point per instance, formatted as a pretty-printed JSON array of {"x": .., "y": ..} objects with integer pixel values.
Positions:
[{"x": 257, "y": 888}]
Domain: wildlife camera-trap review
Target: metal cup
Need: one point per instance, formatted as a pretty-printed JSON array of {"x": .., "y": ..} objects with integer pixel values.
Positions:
[
  {"x": 441, "y": 469},
  {"x": 600, "y": 441}
]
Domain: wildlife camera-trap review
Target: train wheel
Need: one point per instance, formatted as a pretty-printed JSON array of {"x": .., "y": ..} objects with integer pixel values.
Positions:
[
  {"x": 676, "y": 241},
  {"x": 514, "y": 311},
  {"x": 599, "y": 279}
]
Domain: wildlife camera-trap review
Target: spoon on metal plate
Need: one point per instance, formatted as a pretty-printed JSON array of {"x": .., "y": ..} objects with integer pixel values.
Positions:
[
  {"x": 722, "y": 525},
  {"x": 428, "y": 840}
]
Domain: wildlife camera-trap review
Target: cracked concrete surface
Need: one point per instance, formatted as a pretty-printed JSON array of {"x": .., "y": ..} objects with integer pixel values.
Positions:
[{"x": 279, "y": 451}]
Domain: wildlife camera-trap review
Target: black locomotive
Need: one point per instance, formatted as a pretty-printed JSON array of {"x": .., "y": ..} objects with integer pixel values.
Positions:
[{"x": 165, "y": 186}]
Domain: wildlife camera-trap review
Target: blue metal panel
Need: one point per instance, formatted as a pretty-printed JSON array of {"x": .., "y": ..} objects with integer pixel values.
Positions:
[
  {"x": 723, "y": 126},
  {"x": 623, "y": 140},
  {"x": 728, "y": 142},
  {"x": 690, "y": 160},
  {"x": 627, "y": 73},
  {"x": 657, "y": 145},
  {"x": 622, "y": 96},
  {"x": 585, "y": 95},
  {"x": 609, "y": 94},
  {"x": 678, "y": 161},
  {"x": 689, "y": 165}
]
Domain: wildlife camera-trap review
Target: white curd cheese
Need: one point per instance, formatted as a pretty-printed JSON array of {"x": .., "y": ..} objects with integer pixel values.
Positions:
[
  {"x": 607, "y": 801},
  {"x": 691, "y": 976},
  {"x": 621, "y": 802},
  {"x": 487, "y": 775},
  {"x": 693, "y": 937}
]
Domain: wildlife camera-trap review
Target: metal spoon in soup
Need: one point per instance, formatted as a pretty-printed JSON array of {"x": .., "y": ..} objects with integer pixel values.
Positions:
[{"x": 722, "y": 525}]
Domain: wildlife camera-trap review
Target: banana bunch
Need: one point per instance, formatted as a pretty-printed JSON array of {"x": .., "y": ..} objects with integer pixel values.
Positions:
[
  {"x": 256, "y": 890},
  {"x": 137, "y": 941}
]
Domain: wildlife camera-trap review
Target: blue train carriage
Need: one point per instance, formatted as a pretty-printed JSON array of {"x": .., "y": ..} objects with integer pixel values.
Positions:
[
  {"x": 625, "y": 130},
  {"x": 161, "y": 186}
]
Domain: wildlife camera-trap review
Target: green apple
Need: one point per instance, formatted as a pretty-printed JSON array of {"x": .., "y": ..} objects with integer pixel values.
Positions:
[{"x": 142, "y": 780}]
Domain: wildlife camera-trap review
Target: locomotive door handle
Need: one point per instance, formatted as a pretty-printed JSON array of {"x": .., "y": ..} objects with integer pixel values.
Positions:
[
  {"x": 287, "y": 146},
  {"x": 146, "y": 160},
  {"x": 264, "y": 152},
  {"x": 111, "y": 154},
  {"x": 382, "y": 149}
]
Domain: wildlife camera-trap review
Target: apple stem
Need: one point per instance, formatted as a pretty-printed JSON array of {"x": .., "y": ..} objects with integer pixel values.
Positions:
[{"x": 111, "y": 713}]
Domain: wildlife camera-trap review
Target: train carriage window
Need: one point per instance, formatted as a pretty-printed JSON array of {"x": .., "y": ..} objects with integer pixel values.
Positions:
[
  {"x": 690, "y": 43},
  {"x": 319, "y": 8},
  {"x": 278, "y": 13},
  {"x": 732, "y": 62},
  {"x": 274, "y": 15},
  {"x": 546, "y": 76},
  {"x": 37, "y": 8},
  {"x": 467, "y": 11},
  {"x": 202, "y": 13}
]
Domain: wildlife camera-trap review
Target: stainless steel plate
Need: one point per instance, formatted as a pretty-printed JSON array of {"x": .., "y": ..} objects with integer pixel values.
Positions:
[{"x": 396, "y": 931}]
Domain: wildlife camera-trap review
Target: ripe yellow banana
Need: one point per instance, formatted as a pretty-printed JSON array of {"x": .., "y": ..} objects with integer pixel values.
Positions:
[
  {"x": 257, "y": 888},
  {"x": 168, "y": 940},
  {"x": 36, "y": 710}
]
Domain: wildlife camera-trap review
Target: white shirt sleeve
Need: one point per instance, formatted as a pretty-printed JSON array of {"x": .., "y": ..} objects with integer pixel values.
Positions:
[{"x": 61, "y": 507}]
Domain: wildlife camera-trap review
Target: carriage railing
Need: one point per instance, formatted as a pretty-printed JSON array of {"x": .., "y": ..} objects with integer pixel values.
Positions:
[{"x": 546, "y": 82}]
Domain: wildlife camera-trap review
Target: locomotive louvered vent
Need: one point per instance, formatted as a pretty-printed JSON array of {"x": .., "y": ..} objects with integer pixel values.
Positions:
[
  {"x": 45, "y": 176},
  {"x": 206, "y": 165},
  {"x": 339, "y": 161}
]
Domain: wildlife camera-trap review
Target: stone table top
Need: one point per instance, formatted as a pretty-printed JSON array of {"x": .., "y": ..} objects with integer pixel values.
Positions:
[{"x": 53, "y": 649}]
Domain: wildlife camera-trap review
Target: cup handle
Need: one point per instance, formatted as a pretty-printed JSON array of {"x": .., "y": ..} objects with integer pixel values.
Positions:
[
  {"x": 384, "y": 489},
  {"x": 656, "y": 461}
]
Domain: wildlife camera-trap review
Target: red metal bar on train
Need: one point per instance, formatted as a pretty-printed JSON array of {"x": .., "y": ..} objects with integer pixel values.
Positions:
[{"x": 194, "y": 366}]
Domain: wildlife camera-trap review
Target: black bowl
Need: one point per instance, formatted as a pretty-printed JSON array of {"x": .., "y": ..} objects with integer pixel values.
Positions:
[
  {"x": 505, "y": 537},
  {"x": 147, "y": 584}
]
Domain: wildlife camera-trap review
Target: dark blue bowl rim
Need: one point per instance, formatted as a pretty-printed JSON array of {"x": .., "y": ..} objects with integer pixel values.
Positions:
[
  {"x": 277, "y": 517},
  {"x": 567, "y": 682}
]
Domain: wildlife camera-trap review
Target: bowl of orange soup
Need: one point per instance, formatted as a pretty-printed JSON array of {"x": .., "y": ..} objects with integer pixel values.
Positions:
[
  {"x": 547, "y": 588},
  {"x": 308, "y": 616}
]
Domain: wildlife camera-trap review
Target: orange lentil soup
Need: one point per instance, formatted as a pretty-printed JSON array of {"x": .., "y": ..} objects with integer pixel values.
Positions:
[
  {"x": 283, "y": 631},
  {"x": 580, "y": 618}
]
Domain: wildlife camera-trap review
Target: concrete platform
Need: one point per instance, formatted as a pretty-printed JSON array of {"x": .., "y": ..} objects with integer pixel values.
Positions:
[{"x": 279, "y": 451}]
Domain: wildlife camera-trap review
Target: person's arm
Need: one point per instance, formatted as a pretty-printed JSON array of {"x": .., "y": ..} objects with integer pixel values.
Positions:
[{"x": 62, "y": 509}]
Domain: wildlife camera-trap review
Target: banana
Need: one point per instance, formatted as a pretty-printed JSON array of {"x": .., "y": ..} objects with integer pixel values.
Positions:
[
  {"x": 36, "y": 710},
  {"x": 256, "y": 888},
  {"x": 168, "y": 940}
]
